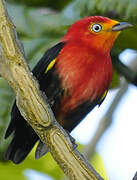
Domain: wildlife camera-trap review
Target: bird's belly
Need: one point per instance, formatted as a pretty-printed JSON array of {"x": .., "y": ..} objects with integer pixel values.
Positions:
[
  {"x": 70, "y": 118},
  {"x": 75, "y": 107}
]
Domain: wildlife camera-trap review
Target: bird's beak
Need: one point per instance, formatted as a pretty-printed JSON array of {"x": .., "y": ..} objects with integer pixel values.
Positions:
[{"x": 121, "y": 25}]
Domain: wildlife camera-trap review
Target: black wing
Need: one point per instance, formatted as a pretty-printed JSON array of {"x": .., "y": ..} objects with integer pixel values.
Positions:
[
  {"x": 51, "y": 54},
  {"x": 24, "y": 136}
]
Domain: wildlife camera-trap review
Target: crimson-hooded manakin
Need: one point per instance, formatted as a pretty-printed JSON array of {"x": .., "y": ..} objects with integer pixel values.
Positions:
[{"x": 75, "y": 75}]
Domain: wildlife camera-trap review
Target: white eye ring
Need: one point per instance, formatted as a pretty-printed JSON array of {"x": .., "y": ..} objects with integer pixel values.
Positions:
[{"x": 96, "y": 27}]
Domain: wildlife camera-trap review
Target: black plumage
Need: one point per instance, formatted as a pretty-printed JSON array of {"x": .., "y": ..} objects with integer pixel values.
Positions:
[{"x": 24, "y": 137}]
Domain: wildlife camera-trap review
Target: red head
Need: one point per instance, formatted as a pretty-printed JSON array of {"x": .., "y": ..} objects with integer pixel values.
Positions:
[{"x": 95, "y": 31}]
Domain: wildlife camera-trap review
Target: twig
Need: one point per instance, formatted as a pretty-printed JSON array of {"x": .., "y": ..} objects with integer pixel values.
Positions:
[
  {"x": 105, "y": 122},
  {"x": 130, "y": 73},
  {"x": 30, "y": 102},
  {"x": 135, "y": 177}
]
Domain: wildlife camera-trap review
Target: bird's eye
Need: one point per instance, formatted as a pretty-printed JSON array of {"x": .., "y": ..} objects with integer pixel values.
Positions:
[{"x": 96, "y": 27}]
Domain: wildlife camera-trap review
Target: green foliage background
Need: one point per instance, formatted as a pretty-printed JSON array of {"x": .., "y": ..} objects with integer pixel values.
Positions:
[{"x": 40, "y": 25}]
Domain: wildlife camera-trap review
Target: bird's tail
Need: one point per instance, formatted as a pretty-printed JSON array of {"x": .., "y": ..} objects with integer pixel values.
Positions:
[
  {"x": 24, "y": 138},
  {"x": 20, "y": 146}
]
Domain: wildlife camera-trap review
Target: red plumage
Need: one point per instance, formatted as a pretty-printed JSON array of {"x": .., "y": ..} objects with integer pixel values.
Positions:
[
  {"x": 85, "y": 69},
  {"x": 84, "y": 75}
]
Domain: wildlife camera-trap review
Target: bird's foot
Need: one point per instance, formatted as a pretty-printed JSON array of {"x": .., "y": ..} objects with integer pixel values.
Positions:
[
  {"x": 73, "y": 141},
  {"x": 41, "y": 150}
]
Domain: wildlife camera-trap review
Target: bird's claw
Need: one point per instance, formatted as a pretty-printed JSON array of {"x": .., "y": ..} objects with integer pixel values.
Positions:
[{"x": 73, "y": 141}]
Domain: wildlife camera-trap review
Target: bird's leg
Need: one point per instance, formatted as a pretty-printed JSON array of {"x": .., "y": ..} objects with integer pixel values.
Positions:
[
  {"x": 73, "y": 141},
  {"x": 41, "y": 150}
]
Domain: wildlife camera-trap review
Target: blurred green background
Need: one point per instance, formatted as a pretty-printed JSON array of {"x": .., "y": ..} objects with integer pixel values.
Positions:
[{"x": 40, "y": 25}]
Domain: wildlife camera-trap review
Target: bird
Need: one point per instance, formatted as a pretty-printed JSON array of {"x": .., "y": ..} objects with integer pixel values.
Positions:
[{"x": 75, "y": 74}]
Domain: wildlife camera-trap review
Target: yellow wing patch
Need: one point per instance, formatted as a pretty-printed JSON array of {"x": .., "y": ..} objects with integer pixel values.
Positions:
[
  {"x": 103, "y": 97},
  {"x": 51, "y": 64}
]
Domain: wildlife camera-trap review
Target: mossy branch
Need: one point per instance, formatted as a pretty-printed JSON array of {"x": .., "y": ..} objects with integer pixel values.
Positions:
[{"x": 33, "y": 107}]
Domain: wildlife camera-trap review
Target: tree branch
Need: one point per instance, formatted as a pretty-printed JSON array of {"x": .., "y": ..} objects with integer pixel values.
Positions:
[
  {"x": 32, "y": 106},
  {"x": 129, "y": 73},
  {"x": 135, "y": 177},
  {"x": 105, "y": 122}
]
